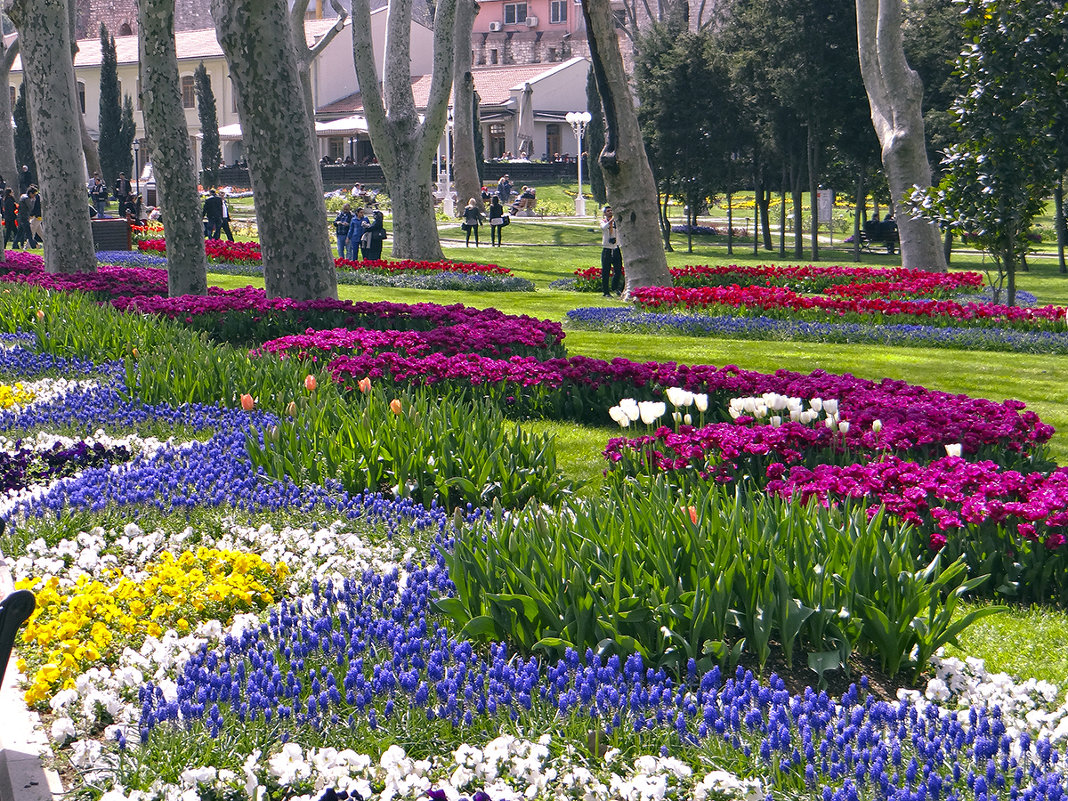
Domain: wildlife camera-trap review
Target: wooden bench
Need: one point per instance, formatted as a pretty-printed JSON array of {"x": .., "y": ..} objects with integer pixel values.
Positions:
[
  {"x": 524, "y": 207},
  {"x": 877, "y": 232},
  {"x": 111, "y": 234}
]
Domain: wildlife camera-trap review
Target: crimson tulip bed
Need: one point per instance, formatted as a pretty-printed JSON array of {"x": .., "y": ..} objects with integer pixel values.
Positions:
[{"x": 848, "y": 281}]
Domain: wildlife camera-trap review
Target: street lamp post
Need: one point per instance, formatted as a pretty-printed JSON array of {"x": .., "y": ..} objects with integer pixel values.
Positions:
[{"x": 578, "y": 120}]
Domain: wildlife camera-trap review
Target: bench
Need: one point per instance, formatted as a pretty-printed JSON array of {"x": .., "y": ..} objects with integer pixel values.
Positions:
[
  {"x": 111, "y": 233},
  {"x": 524, "y": 207},
  {"x": 879, "y": 232}
]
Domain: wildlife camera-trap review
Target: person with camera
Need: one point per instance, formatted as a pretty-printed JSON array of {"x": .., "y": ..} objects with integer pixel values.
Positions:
[{"x": 611, "y": 256}]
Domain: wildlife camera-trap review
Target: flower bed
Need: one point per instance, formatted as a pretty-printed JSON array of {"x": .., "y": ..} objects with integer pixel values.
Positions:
[
  {"x": 730, "y": 326},
  {"x": 354, "y": 683},
  {"x": 850, "y": 281},
  {"x": 777, "y": 301}
]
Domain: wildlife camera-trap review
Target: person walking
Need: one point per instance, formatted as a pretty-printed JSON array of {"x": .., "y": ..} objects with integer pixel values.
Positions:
[
  {"x": 343, "y": 227},
  {"x": 22, "y": 235},
  {"x": 25, "y": 179},
  {"x": 36, "y": 219},
  {"x": 472, "y": 220},
  {"x": 123, "y": 191},
  {"x": 373, "y": 237},
  {"x": 611, "y": 256},
  {"x": 98, "y": 191},
  {"x": 504, "y": 189},
  {"x": 225, "y": 227},
  {"x": 496, "y": 221},
  {"x": 359, "y": 224},
  {"x": 10, "y": 220},
  {"x": 213, "y": 212}
]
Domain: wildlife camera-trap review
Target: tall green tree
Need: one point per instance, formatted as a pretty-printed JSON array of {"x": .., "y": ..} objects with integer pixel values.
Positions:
[
  {"x": 23, "y": 135},
  {"x": 113, "y": 159},
  {"x": 210, "y": 149},
  {"x": 1015, "y": 85},
  {"x": 127, "y": 133}
]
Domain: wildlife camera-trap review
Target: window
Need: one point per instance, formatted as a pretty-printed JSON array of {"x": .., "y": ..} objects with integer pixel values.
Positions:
[
  {"x": 558, "y": 11},
  {"x": 496, "y": 140},
  {"x": 81, "y": 95},
  {"x": 125, "y": 29},
  {"x": 337, "y": 148},
  {"x": 552, "y": 139},
  {"x": 493, "y": 56},
  {"x": 515, "y": 13},
  {"x": 189, "y": 93}
]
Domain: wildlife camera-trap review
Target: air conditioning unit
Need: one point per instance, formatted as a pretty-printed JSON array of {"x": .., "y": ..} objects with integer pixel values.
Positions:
[
  {"x": 532, "y": 22},
  {"x": 495, "y": 27}
]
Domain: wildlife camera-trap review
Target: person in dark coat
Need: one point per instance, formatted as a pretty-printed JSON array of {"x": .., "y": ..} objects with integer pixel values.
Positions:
[
  {"x": 213, "y": 213},
  {"x": 22, "y": 237},
  {"x": 472, "y": 220},
  {"x": 10, "y": 219},
  {"x": 373, "y": 236},
  {"x": 496, "y": 221},
  {"x": 123, "y": 190},
  {"x": 25, "y": 179}
]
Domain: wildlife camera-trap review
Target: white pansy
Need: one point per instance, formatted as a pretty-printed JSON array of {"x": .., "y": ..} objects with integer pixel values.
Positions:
[{"x": 62, "y": 730}]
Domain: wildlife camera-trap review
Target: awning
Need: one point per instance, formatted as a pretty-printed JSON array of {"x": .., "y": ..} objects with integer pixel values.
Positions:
[
  {"x": 230, "y": 133},
  {"x": 346, "y": 126}
]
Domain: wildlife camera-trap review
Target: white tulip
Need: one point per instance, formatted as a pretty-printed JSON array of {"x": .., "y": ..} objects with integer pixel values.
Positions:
[
  {"x": 617, "y": 414},
  {"x": 844, "y": 426},
  {"x": 749, "y": 404},
  {"x": 679, "y": 397},
  {"x": 795, "y": 415},
  {"x": 630, "y": 407},
  {"x": 953, "y": 450},
  {"x": 876, "y": 426},
  {"x": 775, "y": 421},
  {"x": 687, "y": 419},
  {"x": 701, "y": 402},
  {"x": 830, "y": 406},
  {"x": 650, "y": 411},
  {"x": 677, "y": 416},
  {"x": 816, "y": 404}
]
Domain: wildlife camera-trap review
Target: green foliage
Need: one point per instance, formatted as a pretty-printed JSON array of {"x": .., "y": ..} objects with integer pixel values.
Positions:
[
  {"x": 127, "y": 134},
  {"x": 210, "y": 150},
  {"x": 23, "y": 135},
  {"x": 114, "y": 157},
  {"x": 411, "y": 445},
  {"x": 1014, "y": 90},
  {"x": 708, "y": 578}
]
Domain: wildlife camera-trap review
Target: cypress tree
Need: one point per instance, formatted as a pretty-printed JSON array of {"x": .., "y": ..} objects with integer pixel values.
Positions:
[
  {"x": 112, "y": 157},
  {"x": 23, "y": 137},
  {"x": 210, "y": 150},
  {"x": 595, "y": 140},
  {"x": 127, "y": 132}
]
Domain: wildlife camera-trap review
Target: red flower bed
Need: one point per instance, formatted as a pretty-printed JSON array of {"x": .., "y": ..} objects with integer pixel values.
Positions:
[{"x": 851, "y": 281}]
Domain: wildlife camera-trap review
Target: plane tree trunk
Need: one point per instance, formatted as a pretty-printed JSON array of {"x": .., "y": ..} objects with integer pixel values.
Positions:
[
  {"x": 172, "y": 155},
  {"x": 464, "y": 158},
  {"x": 406, "y": 147},
  {"x": 628, "y": 177},
  {"x": 257, "y": 38},
  {"x": 895, "y": 95},
  {"x": 54, "y": 118}
]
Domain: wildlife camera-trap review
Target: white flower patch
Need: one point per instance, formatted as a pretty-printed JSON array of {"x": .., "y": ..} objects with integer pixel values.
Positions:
[
  {"x": 47, "y": 390},
  {"x": 1027, "y": 706},
  {"x": 508, "y": 768}
]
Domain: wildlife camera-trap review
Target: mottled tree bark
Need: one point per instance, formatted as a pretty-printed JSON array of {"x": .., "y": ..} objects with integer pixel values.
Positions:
[
  {"x": 89, "y": 148},
  {"x": 172, "y": 154},
  {"x": 405, "y": 147},
  {"x": 307, "y": 55},
  {"x": 54, "y": 114},
  {"x": 9, "y": 166},
  {"x": 464, "y": 159},
  {"x": 895, "y": 94},
  {"x": 257, "y": 38},
  {"x": 628, "y": 178}
]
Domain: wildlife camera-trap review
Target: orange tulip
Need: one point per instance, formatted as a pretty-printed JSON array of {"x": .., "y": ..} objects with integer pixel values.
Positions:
[
  {"x": 40, "y": 314},
  {"x": 693, "y": 514},
  {"x": 364, "y": 384},
  {"x": 395, "y": 406},
  {"x": 310, "y": 383},
  {"x": 291, "y": 409},
  {"x": 134, "y": 353},
  {"x": 247, "y": 403}
]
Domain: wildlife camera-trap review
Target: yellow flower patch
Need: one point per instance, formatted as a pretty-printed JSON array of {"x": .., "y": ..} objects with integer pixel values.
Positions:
[
  {"x": 12, "y": 395},
  {"x": 74, "y": 627}
]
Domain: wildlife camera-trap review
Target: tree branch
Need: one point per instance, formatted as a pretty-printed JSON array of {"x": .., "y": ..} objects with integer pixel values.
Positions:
[{"x": 440, "y": 78}]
